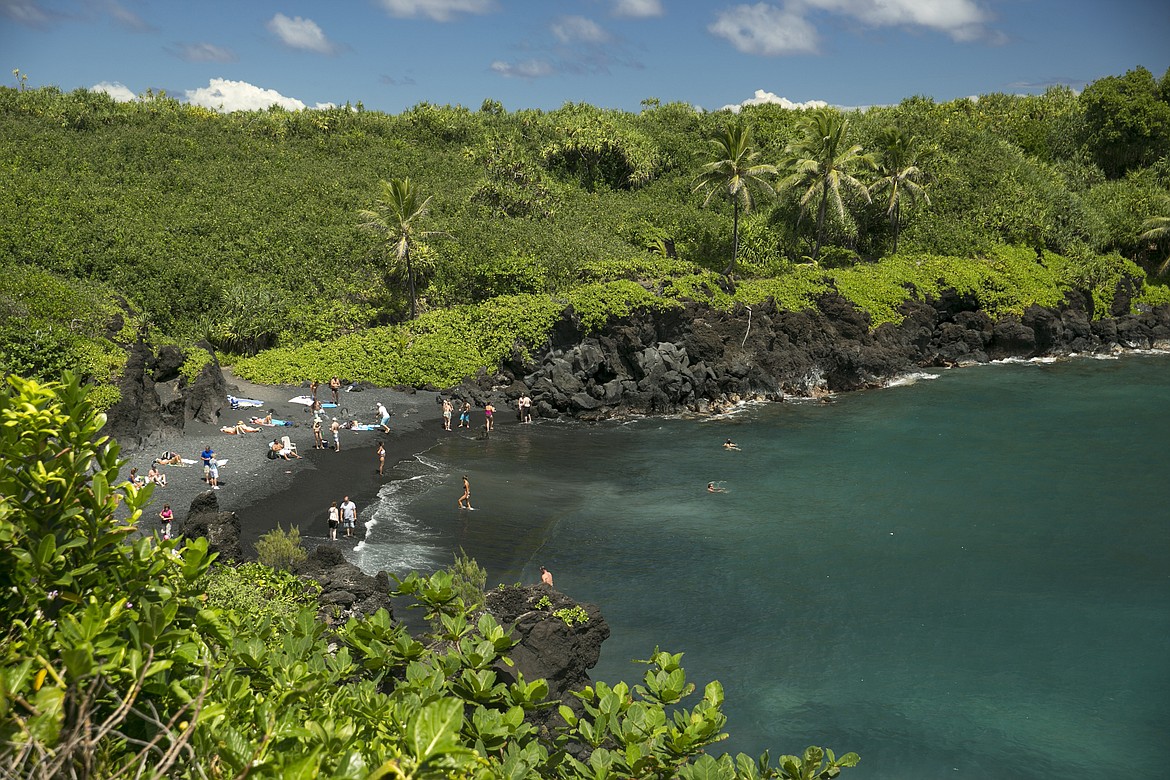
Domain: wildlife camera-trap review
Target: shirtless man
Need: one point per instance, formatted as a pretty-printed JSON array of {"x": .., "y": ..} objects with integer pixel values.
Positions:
[
  {"x": 713, "y": 488},
  {"x": 730, "y": 445},
  {"x": 465, "y": 499},
  {"x": 546, "y": 576}
]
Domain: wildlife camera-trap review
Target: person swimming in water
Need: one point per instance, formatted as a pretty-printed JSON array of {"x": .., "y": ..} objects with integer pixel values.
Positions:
[
  {"x": 713, "y": 488},
  {"x": 730, "y": 445}
]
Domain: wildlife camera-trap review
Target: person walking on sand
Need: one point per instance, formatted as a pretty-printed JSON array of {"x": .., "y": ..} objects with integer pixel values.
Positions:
[
  {"x": 336, "y": 428},
  {"x": 334, "y": 386},
  {"x": 348, "y": 516},
  {"x": 383, "y": 417},
  {"x": 465, "y": 499},
  {"x": 447, "y": 409},
  {"x": 167, "y": 516},
  {"x": 381, "y": 458},
  {"x": 334, "y": 520},
  {"x": 488, "y": 411},
  {"x": 546, "y": 576},
  {"x": 207, "y": 456}
]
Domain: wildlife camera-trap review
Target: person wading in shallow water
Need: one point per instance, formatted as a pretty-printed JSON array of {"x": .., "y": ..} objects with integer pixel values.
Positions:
[{"x": 466, "y": 497}]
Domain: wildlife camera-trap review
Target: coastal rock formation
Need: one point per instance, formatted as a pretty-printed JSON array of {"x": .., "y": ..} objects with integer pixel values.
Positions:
[
  {"x": 701, "y": 360},
  {"x": 157, "y": 401},
  {"x": 221, "y": 529},
  {"x": 346, "y": 591},
  {"x": 549, "y": 648}
]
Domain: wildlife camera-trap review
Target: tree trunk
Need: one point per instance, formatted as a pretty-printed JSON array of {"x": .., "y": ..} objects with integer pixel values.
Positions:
[
  {"x": 410, "y": 283},
  {"x": 821, "y": 221},
  {"x": 730, "y": 269}
]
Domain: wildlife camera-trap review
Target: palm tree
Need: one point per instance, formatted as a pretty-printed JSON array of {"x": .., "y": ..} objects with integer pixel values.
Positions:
[
  {"x": 731, "y": 171},
  {"x": 897, "y": 170},
  {"x": 1157, "y": 230},
  {"x": 819, "y": 162},
  {"x": 395, "y": 216}
]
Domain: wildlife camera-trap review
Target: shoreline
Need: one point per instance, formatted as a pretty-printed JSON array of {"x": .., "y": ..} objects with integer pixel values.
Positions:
[{"x": 265, "y": 493}]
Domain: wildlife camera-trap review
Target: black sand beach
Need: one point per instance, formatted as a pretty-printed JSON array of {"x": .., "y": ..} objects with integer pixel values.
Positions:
[{"x": 264, "y": 493}]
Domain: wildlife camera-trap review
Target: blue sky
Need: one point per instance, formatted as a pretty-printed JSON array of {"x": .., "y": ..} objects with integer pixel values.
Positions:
[{"x": 393, "y": 54}]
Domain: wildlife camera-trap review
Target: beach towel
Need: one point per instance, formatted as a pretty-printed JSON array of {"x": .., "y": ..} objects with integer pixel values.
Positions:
[
  {"x": 365, "y": 427},
  {"x": 187, "y": 462},
  {"x": 276, "y": 423},
  {"x": 307, "y": 400},
  {"x": 238, "y": 402}
]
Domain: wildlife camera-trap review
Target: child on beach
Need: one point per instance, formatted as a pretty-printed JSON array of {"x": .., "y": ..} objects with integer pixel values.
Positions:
[
  {"x": 166, "y": 515},
  {"x": 465, "y": 415}
]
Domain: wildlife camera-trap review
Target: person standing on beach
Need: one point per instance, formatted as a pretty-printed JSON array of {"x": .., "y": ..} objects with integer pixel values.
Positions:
[
  {"x": 465, "y": 415},
  {"x": 313, "y": 385},
  {"x": 336, "y": 428},
  {"x": 488, "y": 411},
  {"x": 465, "y": 499},
  {"x": 213, "y": 472},
  {"x": 348, "y": 516},
  {"x": 447, "y": 409},
  {"x": 318, "y": 441},
  {"x": 381, "y": 458},
  {"x": 383, "y": 417},
  {"x": 525, "y": 405},
  {"x": 334, "y": 386},
  {"x": 207, "y": 456},
  {"x": 167, "y": 516},
  {"x": 546, "y": 576},
  {"x": 334, "y": 520}
]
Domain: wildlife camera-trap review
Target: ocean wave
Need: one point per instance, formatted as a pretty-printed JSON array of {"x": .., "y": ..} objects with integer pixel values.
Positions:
[
  {"x": 1035, "y": 361},
  {"x": 906, "y": 380}
]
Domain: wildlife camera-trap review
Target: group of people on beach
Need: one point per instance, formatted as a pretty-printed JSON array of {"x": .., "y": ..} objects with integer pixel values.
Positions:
[{"x": 344, "y": 516}]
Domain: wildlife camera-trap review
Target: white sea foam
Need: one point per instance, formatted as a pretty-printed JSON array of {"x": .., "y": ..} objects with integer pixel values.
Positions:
[
  {"x": 1019, "y": 361},
  {"x": 909, "y": 379}
]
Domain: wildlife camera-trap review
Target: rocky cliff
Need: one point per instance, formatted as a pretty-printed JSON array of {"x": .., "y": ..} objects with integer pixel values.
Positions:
[{"x": 699, "y": 359}]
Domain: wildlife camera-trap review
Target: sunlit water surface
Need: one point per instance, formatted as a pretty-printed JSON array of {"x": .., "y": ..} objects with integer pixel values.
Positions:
[{"x": 966, "y": 575}]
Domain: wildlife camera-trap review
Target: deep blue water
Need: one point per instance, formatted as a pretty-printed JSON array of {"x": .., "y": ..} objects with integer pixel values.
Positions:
[{"x": 966, "y": 575}]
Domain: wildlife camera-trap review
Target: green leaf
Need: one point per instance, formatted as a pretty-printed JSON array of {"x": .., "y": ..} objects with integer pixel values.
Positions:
[{"x": 435, "y": 730}]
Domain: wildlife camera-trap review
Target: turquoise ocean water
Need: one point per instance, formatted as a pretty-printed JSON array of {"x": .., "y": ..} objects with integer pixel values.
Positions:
[{"x": 964, "y": 575}]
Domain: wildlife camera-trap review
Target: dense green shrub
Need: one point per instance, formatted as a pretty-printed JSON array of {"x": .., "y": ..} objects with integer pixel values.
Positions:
[
  {"x": 280, "y": 549},
  {"x": 257, "y": 593}
]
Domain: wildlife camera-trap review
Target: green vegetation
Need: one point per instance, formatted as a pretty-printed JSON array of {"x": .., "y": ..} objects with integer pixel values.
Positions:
[
  {"x": 115, "y": 662},
  {"x": 281, "y": 550},
  {"x": 573, "y": 615},
  {"x": 291, "y": 242}
]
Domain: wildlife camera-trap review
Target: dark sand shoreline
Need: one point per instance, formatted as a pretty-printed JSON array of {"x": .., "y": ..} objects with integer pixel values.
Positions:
[{"x": 264, "y": 493}]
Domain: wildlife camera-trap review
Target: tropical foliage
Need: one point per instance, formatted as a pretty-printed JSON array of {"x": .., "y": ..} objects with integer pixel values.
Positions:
[
  {"x": 244, "y": 230},
  {"x": 115, "y": 662}
]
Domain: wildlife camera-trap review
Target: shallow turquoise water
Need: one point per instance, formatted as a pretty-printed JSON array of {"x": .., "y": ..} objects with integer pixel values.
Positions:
[{"x": 964, "y": 576}]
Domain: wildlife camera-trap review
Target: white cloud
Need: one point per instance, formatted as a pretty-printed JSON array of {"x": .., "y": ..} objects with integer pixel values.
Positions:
[
  {"x": 439, "y": 10},
  {"x": 299, "y": 33},
  {"x": 127, "y": 18},
  {"x": 765, "y": 29},
  {"x": 578, "y": 29},
  {"x": 119, "y": 92},
  {"x": 963, "y": 20},
  {"x": 762, "y": 98},
  {"x": 25, "y": 11},
  {"x": 227, "y": 96},
  {"x": 637, "y": 8},
  {"x": 529, "y": 69},
  {"x": 204, "y": 52}
]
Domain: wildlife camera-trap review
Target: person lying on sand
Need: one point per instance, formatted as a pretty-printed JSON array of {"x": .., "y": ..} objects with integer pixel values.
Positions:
[{"x": 238, "y": 429}]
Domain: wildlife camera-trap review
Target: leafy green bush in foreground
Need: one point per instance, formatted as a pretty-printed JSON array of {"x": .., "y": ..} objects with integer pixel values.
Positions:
[{"x": 114, "y": 661}]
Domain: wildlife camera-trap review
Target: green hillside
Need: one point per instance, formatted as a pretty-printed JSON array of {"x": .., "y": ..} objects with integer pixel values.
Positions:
[{"x": 244, "y": 229}]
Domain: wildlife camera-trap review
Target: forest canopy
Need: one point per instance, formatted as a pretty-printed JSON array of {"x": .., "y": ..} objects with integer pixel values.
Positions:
[{"x": 243, "y": 229}]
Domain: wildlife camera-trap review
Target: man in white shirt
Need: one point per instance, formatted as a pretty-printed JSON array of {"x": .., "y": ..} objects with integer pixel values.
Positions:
[{"x": 348, "y": 516}]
